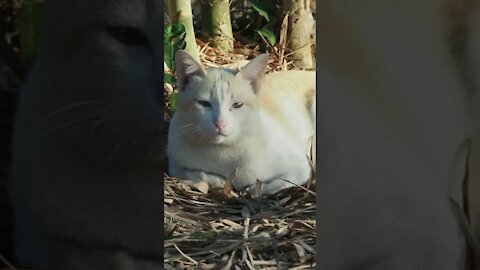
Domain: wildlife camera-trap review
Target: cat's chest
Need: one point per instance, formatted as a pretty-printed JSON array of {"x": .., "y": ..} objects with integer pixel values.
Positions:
[{"x": 209, "y": 159}]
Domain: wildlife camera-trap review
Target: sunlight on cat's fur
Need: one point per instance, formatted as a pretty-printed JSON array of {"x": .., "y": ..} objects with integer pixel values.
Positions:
[{"x": 242, "y": 125}]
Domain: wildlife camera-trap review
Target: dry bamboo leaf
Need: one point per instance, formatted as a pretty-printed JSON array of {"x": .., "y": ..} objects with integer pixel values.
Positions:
[
  {"x": 204, "y": 266},
  {"x": 285, "y": 200},
  {"x": 202, "y": 187},
  {"x": 230, "y": 261},
  {"x": 301, "y": 267},
  {"x": 246, "y": 225},
  {"x": 186, "y": 256},
  {"x": 262, "y": 235},
  {"x": 263, "y": 262},
  {"x": 169, "y": 228},
  {"x": 300, "y": 250},
  {"x": 231, "y": 223},
  {"x": 255, "y": 228},
  {"x": 282, "y": 230},
  {"x": 307, "y": 247},
  {"x": 228, "y": 188}
]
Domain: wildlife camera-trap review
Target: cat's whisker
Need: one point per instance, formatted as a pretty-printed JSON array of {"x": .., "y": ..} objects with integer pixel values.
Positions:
[
  {"x": 63, "y": 125},
  {"x": 74, "y": 117},
  {"x": 186, "y": 127},
  {"x": 71, "y": 107},
  {"x": 185, "y": 130},
  {"x": 202, "y": 138},
  {"x": 181, "y": 133}
]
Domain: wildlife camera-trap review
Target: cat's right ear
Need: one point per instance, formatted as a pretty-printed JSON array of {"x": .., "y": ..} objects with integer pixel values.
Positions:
[
  {"x": 186, "y": 67},
  {"x": 254, "y": 71}
]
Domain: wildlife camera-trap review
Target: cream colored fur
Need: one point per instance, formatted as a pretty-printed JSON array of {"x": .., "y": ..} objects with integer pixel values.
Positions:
[
  {"x": 87, "y": 147},
  {"x": 268, "y": 138}
]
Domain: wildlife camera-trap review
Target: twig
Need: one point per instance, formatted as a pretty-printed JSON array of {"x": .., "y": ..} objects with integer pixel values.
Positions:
[
  {"x": 297, "y": 185},
  {"x": 185, "y": 255}
]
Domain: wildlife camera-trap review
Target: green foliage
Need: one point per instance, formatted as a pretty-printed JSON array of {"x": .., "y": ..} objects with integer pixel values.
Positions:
[
  {"x": 169, "y": 78},
  {"x": 262, "y": 9},
  {"x": 268, "y": 35},
  {"x": 255, "y": 19},
  {"x": 173, "y": 40},
  {"x": 28, "y": 22}
]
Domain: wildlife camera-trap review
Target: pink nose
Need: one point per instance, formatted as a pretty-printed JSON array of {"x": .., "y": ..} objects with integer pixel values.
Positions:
[{"x": 220, "y": 125}]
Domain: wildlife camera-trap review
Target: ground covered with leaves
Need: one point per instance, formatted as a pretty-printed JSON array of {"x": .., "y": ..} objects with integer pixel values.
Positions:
[{"x": 225, "y": 230}]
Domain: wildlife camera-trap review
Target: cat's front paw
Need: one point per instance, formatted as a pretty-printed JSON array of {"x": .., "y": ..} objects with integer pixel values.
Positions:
[
  {"x": 195, "y": 177},
  {"x": 275, "y": 186},
  {"x": 300, "y": 178}
]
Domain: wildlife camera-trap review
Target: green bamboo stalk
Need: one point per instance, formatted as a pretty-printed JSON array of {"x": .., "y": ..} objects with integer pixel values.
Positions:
[
  {"x": 217, "y": 24},
  {"x": 181, "y": 11}
]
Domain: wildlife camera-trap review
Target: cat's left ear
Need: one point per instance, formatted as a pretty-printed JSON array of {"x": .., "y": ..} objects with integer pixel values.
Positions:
[
  {"x": 254, "y": 71},
  {"x": 187, "y": 67}
]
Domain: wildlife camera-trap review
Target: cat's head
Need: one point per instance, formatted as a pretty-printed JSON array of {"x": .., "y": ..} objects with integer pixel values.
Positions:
[
  {"x": 215, "y": 105},
  {"x": 100, "y": 64}
]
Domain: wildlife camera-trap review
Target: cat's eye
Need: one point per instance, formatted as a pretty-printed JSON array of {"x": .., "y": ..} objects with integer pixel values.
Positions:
[
  {"x": 204, "y": 103},
  {"x": 127, "y": 35},
  {"x": 237, "y": 105}
]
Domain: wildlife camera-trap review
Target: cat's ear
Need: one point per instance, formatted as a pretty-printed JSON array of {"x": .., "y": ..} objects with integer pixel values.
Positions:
[
  {"x": 254, "y": 71},
  {"x": 186, "y": 67}
]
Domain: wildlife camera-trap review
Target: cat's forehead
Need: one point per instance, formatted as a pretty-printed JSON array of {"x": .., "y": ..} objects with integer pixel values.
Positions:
[{"x": 219, "y": 80}]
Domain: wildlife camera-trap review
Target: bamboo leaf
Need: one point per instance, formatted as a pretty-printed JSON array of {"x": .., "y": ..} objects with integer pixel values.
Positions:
[
  {"x": 261, "y": 8},
  {"x": 268, "y": 35},
  {"x": 167, "y": 46},
  {"x": 178, "y": 29},
  {"x": 169, "y": 78},
  {"x": 174, "y": 36}
]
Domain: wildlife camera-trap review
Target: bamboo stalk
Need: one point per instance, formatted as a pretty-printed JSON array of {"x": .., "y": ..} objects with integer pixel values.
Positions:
[
  {"x": 217, "y": 23},
  {"x": 181, "y": 11},
  {"x": 300, "y": 28}
]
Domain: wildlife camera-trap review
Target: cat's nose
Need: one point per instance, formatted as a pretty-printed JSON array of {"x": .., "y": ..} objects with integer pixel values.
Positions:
[{"x": 220, "y": 124}]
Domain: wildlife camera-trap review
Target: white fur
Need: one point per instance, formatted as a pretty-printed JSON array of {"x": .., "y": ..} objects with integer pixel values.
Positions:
[{"x": 256, "y": 146}]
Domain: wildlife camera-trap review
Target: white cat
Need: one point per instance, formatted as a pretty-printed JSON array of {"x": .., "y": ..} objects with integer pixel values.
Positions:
[
  {"x": 87, "y": 150},
  {"x": 243, "y": 125}
]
